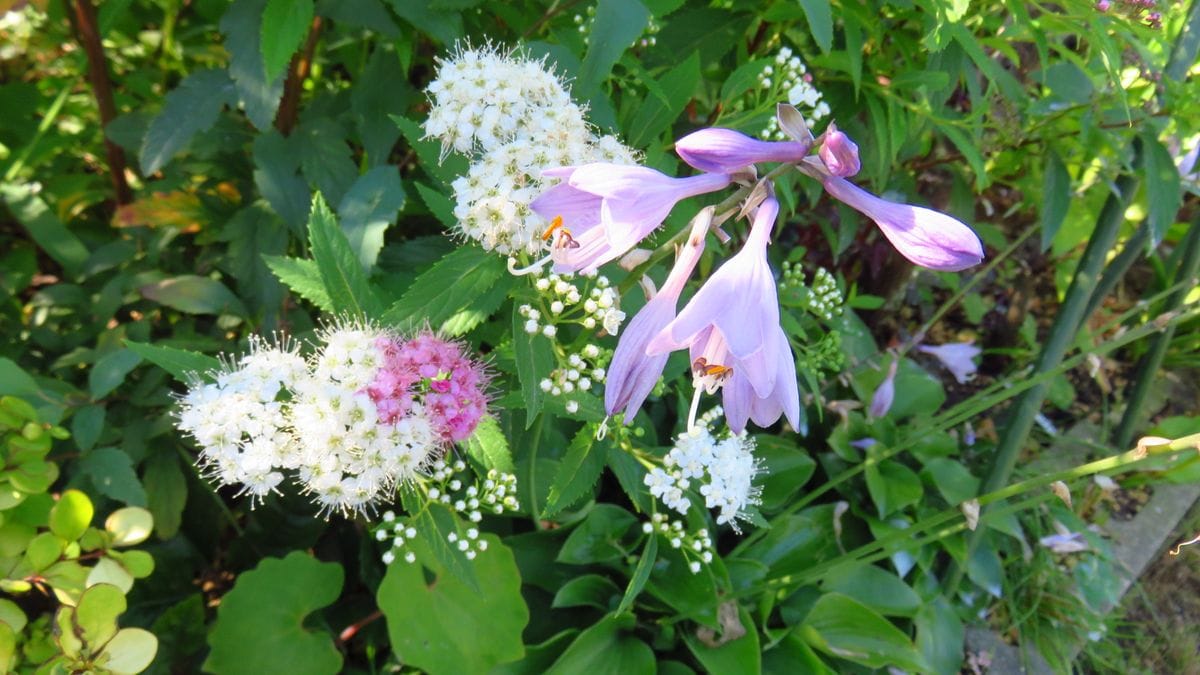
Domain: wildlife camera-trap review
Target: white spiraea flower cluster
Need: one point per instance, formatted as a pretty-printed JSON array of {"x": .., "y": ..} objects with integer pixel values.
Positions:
[
  {"x": 368, "y": 411},
  {"x": 495, "y": 494},
  {"x": 790, "y": 78},
  {"x": 695, "y": 546},
  {"x": 724, "y": 470},
  {"x": 514, "y": 118}
]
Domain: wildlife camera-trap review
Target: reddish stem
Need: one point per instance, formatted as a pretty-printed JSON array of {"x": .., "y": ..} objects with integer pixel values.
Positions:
[
  {"x": 301, "y": 66},
  {"x": 82, "y": 15},
  {"x": 350, "y": 631}
]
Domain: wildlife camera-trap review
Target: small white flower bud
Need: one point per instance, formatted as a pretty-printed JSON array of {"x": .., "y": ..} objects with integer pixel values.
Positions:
[
  {"x": 550, "y": 331},
  {"x": 389, "y": 558},
  {"x": 572, "y": 407},
  {"x": 410, "y": 557}
]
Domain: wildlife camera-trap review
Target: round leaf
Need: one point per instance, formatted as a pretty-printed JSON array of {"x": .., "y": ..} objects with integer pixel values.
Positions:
[
  {"x": 71, "y": 516},
  {"x": 12, "y": 615},
  {"x": 260, "y": 624},
  {"x": 130, "y": 525},
  {"x": 44, "y": 550},
  {"x": 444, "y": 626},
  {"x": 97, "y": 612},
  {"x": 130, "y": 651},
  {"x": 109, "y": 571}
]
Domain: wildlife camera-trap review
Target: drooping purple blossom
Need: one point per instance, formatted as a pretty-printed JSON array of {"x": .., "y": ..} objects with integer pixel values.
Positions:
[
  {"x": 924, "y": 236},
  {"x": 885, "y": 393},
  {"x": 633, "y": 373},
  {"x": 600, "y": 211},
  {"x": 957, "y": 357},
  {"x": 731, "y": 328},
  {"x": 727, "y": 151}
]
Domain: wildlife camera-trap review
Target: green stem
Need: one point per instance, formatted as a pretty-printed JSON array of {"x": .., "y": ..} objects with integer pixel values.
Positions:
[
  {"x": 47, "y": 121},
  {"x": 1148, "y": 367},
  {"x": 1062, "y": 335},
  {"x": 1116, "y": 270}
]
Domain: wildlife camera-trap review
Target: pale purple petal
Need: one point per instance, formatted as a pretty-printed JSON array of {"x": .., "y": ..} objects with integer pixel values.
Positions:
[
  {"x": 737, "y": 397},
  {"x": 728, "y": 151},
  {"x": 579, "y": 210},
  {"x": 632, "y": 374},
  {"x": 926, "y": 237},
  {"x": 958, "y": 358},
  {"x": 881, "y": 402}
]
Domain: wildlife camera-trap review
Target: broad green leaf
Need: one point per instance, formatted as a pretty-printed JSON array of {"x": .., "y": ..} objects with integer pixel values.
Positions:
[
  {"x": 182, "y": 364},
  {"x": 1163, "y": 187},
  {"x": 445, "y": 27},
  {"x": 442, "y": 626},
  {"x": 820, "y": 22},
  {"x": 253, "y": 233},
  {"x": 368, "y": 209},
  {"x": 44, "y": 550},
  {"x": 875, "y": 587},
  {"x": 940, "y": 636},
  {"x": 259, "y": 95},
  {"x": 1068, "y": 82},
  {"x": 277, "y": 177},
  {"x": 951, "y": 478},
  {"x": 489, "y": 447},
  {"x": 109, "y": 571},
  {"x": 793, "y": 655},
  {"x": 14, "y": 381},
  {"x": 343, "y": 276},
  {"x": 892, "y": 486},
  {"x": 598, "y": 538},
  {"x": 738, "y": 656},
  {"x": 615, "y": 27},
  {"x": 303, "y": 277},
  {"x": 194, "y": 294},
  {"x": 284, "y": 25},
  {"x": 71, "y": 515},
  {"x": 325, "y": 156},
  {"x": 797, "y": 542},
  {"x": 110, "y": 370},
  {"x": 187, "y": 110},
  {"x": 631, "y": 475},
  {"x": 589, "y": 590},
  {"x": 577, "y": 472},
  {"x": 260, "y": 622},
  {"x": 535, "y": 360},
  {"x": 606, "y": 648},
  {"x": 111, "y": 471},
  {"x": 130, "y": 651},
  {"x": 46, "y": 230},
  {"x": 1056, "y": 196},
  {"x": 86, "y": 425},
  {"x": 451, "y": 285},
  {"x": 654, "y": 116},
  {"x": 690, "y": 594},
  {"x": 788, "y": 468},
  {"x": 434, "y": 525},
  {"x": 381, "y": 90},
  {"x": 12, "y": 614},
  {"x": 845, "y": 628}
]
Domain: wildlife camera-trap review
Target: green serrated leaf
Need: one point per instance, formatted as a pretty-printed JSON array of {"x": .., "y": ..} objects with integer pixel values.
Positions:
[
  {"x": 259, "y": 95},
  {"x": 577, "y": 472},
  {"x": 303, "y": 277},
  {"x": 187, "y": 110},
  {"x": 260, "y": 623},
  {"x": 489, "y": 447},
  {"x": 277, "y": 177},
  {"x": 654, "y": 116},
  {"x": 615, "y": 27},
  {"x": 343, "y": 277},
  {"x": 443, "y": 626},
  {"x": 182, "y": 364},
  {"x": 443, "y": 290},
  {"x": 110, "y": 370},
  {"x": 284, "y": 25},
  {"x": 111, "y": 471}
]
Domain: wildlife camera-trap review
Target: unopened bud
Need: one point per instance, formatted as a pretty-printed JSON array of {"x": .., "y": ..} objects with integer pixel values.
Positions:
[{"x": 839, "y": 153}]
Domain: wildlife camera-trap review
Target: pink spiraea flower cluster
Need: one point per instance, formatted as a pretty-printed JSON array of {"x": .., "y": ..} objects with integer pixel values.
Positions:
[
  {"x": 450, "y": 384},
  {"x": 731, "y": 326},
  {"x": 368, "y": 411}
]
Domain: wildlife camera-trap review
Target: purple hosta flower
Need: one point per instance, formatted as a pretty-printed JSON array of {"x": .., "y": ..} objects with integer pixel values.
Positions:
[
  {"x": 727, "y": 151},
  {"x": 881, "y": 402},
  {"x": 957, "y": 357},
  {"x": 731, "y": 327},
  {"x": 926, "y": 237},
  {"x": 600, "y": 211},
  {"x": 839, "y": 153},
  {"x": 632, "y": 373}
]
